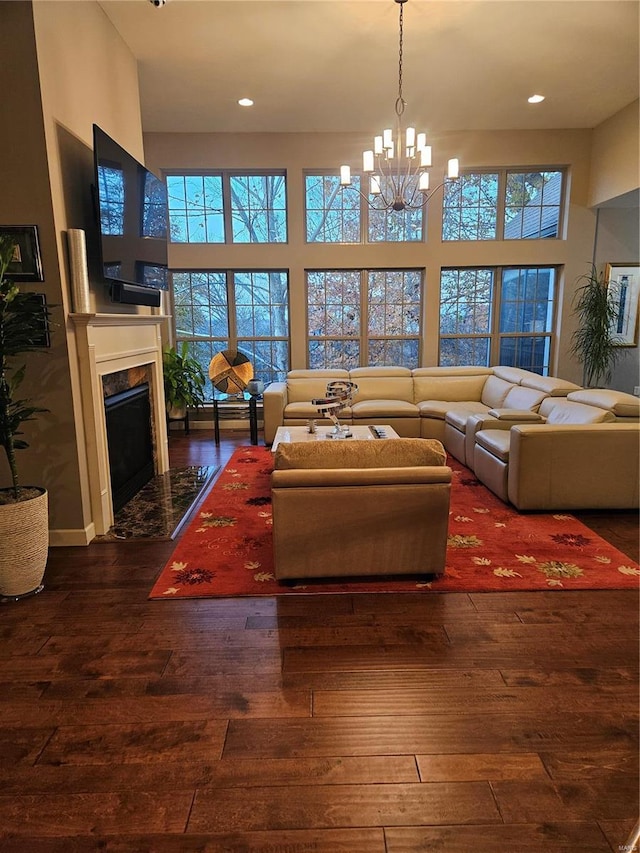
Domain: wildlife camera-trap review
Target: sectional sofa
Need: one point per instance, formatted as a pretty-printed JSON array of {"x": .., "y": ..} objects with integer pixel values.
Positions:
[{"x": 484, "y": 416}]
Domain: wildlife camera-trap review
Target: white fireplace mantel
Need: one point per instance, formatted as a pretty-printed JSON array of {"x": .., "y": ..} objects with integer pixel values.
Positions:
[{"x": 107, "y": 343}]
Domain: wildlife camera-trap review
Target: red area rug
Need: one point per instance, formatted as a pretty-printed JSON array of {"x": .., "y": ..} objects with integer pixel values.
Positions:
[{"x": 226, "y": 550}]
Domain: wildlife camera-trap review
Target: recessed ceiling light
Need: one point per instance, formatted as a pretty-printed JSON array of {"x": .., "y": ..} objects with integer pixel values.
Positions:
[
  {"x": 536, "y": 99},
  {"x": 245, "y": 102}
]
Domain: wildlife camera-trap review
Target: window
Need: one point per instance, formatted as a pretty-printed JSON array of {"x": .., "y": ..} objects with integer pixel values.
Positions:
[
  {"x": 364, "y": 317},
  {"x": 333, "y": 214},
  {"x": 341, "y": 215},
  {"x": 532, "y": 205},
  {"x": 195, "y": 209},
  {"x": 217, "y": 310},
  {"x": 256, "y": 210},
  {"x": 497, "y": 316},
  {"x": 528, "y": 205}
]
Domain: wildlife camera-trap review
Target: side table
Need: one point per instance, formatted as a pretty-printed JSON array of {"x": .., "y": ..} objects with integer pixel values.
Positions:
[{"x": 230, "y": 405}]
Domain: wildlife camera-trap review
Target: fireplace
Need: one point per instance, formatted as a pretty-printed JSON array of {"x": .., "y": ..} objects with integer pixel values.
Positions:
[{"x": 129, "y": 442}]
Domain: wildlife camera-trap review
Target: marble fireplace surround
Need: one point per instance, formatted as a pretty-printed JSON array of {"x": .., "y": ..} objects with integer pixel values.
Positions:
[{"x": 116, "y": 344}]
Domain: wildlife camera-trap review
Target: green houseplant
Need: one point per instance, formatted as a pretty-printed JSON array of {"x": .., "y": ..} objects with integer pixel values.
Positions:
[
  {"x": 24, "y": 520},
  {"x": 184, "y": 381},
  {"x": 594, "y": 343}
]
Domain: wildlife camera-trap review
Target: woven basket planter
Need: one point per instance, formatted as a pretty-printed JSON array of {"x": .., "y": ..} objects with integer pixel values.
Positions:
[{"x": 24, "y": 544}]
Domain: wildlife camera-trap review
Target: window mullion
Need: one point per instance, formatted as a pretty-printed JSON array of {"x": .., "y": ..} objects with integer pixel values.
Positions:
[
  {"x": 231, "y": 302},
  {"x": 364, "y": 317}
]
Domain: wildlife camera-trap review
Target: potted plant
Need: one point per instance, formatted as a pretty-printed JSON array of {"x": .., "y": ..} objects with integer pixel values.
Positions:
[
  {"x": 184, "y": 381},
  {"x": 24, "y": 518},
  {"x": 594, "y": 343}
]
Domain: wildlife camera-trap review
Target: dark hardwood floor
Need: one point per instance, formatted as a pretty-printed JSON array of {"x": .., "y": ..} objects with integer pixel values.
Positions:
[{"x": 314, "y": 724}]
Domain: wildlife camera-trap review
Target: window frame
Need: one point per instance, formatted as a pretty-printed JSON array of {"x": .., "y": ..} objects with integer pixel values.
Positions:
[
  {"x": 494, "y": 334},
  {"x": 364, "y": 214},
  {"x": 503, "y": 172},
  {"x": 227, "y": 212},
  {"x": 364, "y": 335},
  {"x": 231, "y": 341}
]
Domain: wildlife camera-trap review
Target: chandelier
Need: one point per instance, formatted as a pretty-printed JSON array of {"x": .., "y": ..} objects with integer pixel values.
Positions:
[{"x": 397, "y": 165}]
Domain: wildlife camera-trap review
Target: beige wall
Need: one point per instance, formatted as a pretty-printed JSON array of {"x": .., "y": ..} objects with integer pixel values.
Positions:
[
  {"x": 297, "y": 152},
  {"x": 63, "y": 68},
  {"x": 615, "y": 162}
]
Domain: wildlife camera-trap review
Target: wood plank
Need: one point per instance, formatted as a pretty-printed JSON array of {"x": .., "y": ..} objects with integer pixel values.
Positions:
[
  {"x": 598, "y": 679},
  {"x": 478, "y": 767},
  {"x": 133, "y": 744},
  {"x": 594, "y": 764},
  {"x": 618, "y": 832},
  {"x": 325, "y": 807},
  {"x": 55, "y": 814},
  {"x": 410, "y": 700},
  {"x": 434, "y": 734},
  {"x": 133, "y": 664},
  {"x": 556, "y": 600},
  {"x": 283, "y": 841},
  {"x": 191, "y": 774},
  {"x": 547, "y": 837},
  {"x": 227, "y": 704},
  {"x": 480, "y": 679},
  {"x": 614, "y": 798}
]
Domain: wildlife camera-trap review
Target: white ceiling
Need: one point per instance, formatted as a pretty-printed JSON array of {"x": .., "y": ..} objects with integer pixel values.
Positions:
[{"x": 332, "y": 65}]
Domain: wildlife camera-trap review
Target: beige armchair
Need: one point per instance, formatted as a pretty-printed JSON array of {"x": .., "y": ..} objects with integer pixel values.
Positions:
[{"x": 360, "y": 508}]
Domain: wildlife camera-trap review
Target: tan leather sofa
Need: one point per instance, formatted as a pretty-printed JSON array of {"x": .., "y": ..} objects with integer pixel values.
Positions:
[
  {"x": 414, "y": 402},
  {"x": 584, "y": 454},
  {"x": 360, "y": 508}
]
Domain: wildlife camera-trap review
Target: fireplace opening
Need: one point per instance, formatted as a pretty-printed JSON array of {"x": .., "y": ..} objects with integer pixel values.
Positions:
[{"x": 130, "y": 444}]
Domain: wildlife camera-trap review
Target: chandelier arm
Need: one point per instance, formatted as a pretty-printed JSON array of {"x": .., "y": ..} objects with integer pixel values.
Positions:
[{"x": 385, "y": 204}]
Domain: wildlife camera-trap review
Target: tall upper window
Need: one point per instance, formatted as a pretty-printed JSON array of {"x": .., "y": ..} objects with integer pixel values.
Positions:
[
  {"x": 532, "y": 205},
  {"x": 333, "y": 215},
  {"x": 247, "y": 310},
  {"x": 497, "y": 316},
  {"x": 364, "y": 317},
  {"x": 504, "y": 205},
  {"x": 258, "y": 208},
  {"x": 195, "y": 208},
  {"x": 342, "y": 215},
  {"x": 227, "y": 207}
]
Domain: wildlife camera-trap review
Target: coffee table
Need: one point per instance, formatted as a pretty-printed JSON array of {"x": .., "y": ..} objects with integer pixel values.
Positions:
[{"x": 286, "y": 434}]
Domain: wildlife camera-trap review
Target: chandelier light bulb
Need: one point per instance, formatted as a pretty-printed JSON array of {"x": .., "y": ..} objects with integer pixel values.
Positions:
[
  {"x": 423, "y": 183},
  {"x": 345, "y": 176},
  {"x": 377, "y": 145},
  {"x": 453, "y": 170},
  {"x": 387, "y": 138},
  {"x": 425, "y": 156},
  {"x": 374, "y": 187},
  {"x": 367, "y": 161}
]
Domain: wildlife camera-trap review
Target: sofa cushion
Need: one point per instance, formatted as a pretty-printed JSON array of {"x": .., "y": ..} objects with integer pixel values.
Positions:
[
  {"x": 390, "y": 453},
  {"x": 495, "y": 391},
  {"x": 622, "y": 405},
  {"x": 439, "y": 408},
  {"x": 523, "y": 398},
  {"x": 384, "y": 409},
  {"x": 551, "y": 385},
  {"x": 385, "y": 388},
  {"x": 307, "y": 410},
  {"x": 496, "y": 441},
  {"x": 568, "y": 412},
  {"x": 515, "y": 375},
  {"x": 306, "y": 385},
  {"x": 450, "y": 388}
]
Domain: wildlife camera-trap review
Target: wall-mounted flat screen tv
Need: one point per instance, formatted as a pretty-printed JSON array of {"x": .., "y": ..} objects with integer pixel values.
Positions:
[{"x": 131, "y": 206}]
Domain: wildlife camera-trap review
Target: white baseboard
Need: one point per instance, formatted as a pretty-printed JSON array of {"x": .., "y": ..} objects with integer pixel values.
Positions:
[{"x": 76, "y": 537}]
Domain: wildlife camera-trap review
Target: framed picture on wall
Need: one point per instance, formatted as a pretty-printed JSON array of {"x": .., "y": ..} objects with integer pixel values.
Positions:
[
  {"x": 26, "y": 264},
  {"x": 624, "y": 283}
]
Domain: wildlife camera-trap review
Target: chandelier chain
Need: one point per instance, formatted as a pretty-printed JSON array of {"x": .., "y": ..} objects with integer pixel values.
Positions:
[{"x": 400, "y": 102}]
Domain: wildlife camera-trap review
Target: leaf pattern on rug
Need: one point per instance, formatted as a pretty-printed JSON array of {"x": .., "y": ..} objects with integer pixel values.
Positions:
[{"x": 227, "y": 548}]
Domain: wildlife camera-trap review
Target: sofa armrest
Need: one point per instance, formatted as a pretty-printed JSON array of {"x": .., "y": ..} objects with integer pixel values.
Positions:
[
  {"x": 518, "y": 416},
  {"x": 313, "y": 478},
  {"x": 274, "y": 401},
  {"x": 574, "y": 466}
]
